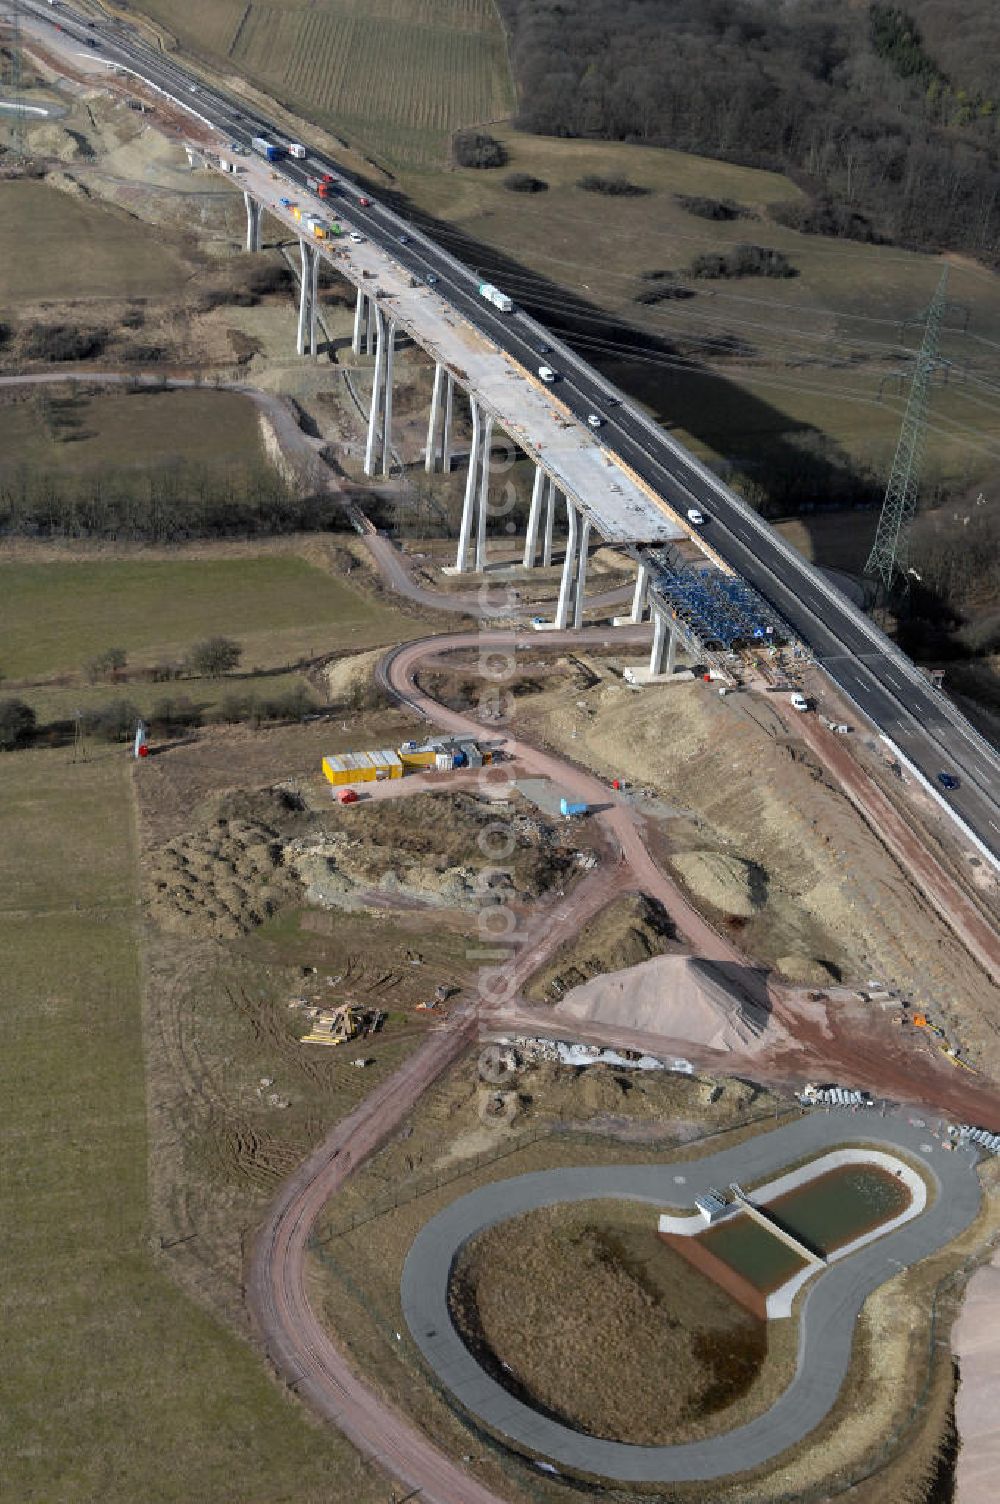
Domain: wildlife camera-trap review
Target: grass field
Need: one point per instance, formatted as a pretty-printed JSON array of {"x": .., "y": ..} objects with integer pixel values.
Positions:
[
  {"x": 55, "y": 246},
  {"x": 60, "y": 702},
  {"x": 638, "y": 1311},
  {"x": 815, "y": 346},
  {"x": 396, "y": 77},
  {"x": 55, "y": 616},
  {"x": 115, "y": 1386},
  {"x": 59, "y": 429}
]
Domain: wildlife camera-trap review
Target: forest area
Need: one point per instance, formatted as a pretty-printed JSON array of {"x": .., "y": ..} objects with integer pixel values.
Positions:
[{"x": 889, "y": 116}]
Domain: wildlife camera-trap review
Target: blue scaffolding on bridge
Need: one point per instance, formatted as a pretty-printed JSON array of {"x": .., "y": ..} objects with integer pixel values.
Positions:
[{"x": 720, "y": 610}]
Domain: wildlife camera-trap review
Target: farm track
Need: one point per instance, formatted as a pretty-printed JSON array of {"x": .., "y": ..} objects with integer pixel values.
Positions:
[{"x": 296, "y": 1342}]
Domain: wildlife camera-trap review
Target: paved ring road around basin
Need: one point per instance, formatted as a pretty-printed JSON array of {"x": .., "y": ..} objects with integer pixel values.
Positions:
[{"x": 827, "y": 1316}]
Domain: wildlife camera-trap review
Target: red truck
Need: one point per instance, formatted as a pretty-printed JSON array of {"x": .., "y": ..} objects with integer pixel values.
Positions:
[{"x": 320, "y": 186}]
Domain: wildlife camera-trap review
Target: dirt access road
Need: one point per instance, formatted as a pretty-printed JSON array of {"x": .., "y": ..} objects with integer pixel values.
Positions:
[
  {"x": 397, "y": 675},
  {"x": 300, "y": 1348},
  {"x": 295, "y": 1340},
  {"x": 852, "y": 1044}
]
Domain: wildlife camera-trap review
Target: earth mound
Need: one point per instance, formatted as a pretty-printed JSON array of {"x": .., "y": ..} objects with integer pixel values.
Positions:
[
  {"x": 229, "y": 876},
  {"x": 681, "y": 997},
  {"x": 350, "y": 676},
  {"x": 626, "y": 933},
  {"x": 726, "y": 882},
  {"x": 378, "y": 854}
]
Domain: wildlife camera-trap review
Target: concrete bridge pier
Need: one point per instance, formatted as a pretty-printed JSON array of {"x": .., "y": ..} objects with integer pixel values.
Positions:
[
  {"x": 433, "y": 422},
  {"x": 550, "y": 520},
  {"x": 254, "y": 216},
  {"x": 308, "y": 285},
  {"x": 568, "y": 570},
  {"x": 438, "y": 431},
  {"x": 581, "y": 573},
  {"x": 359, "y": 321},
  {"x": 640, "y": 600},
  {"x": 449, "y": 404},
  {"x": 485, "y": 449},
  {"x": 388, "y": 361},
  {"x": 378, "y": 449},
  {"x": 465, "y": 531},
  {"x": 370, "y": 328},
  {"x": 534, "y": 518},
  {"x": 664, "y": 651}
]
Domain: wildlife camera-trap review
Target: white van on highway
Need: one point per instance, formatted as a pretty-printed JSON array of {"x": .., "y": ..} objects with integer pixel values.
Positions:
[{"x": 547, "y": 374}]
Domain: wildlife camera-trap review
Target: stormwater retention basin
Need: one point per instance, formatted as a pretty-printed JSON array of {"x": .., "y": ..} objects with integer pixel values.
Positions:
[{"x": 826, "y": 1212}]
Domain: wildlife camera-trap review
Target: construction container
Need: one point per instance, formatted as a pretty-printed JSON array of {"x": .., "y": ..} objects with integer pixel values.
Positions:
[
  {"x": 362, "y": 767},
  {"x": 444, "y": 762},
  {"x": 568, "y": 809},
  {"x": 422, "y": 758}
]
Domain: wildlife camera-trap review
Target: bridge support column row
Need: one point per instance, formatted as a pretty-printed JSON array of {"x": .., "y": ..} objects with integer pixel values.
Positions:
[
  {"x": 254, "y": 216},
  {"x": 308, "y": 285},
  {"x": 443, "y": 382},
  {"x": 378, "y": 449}
]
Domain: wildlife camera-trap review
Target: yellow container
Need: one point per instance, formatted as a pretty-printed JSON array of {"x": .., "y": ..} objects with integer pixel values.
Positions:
[
  {"x": 343, "y": 768},
  {"x": 422, "y": 759}
]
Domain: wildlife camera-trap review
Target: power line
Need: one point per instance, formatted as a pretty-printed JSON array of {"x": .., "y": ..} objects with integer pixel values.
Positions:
[
  {"x": 839, "y": 317},
  {"x": 887, "y": 559}
]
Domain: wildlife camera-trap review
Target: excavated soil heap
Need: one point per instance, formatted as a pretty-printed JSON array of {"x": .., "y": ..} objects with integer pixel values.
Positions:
[
  {"x": 727, "y": 882},
  {"x": 680, "y": 997}
]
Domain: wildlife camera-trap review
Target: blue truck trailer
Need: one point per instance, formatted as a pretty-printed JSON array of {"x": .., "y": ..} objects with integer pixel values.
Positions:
[{"x": 269, "y": 149}]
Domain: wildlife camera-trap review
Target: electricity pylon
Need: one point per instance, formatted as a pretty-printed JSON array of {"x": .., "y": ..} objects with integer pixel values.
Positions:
[{"x": 888, "y": 555}]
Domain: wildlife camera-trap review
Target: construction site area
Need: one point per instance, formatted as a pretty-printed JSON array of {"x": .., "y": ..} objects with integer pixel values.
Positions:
[{"x": 455, "y": 996}]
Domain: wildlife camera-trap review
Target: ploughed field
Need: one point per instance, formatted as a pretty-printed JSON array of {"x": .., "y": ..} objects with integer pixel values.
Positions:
[{"x": 395, "y": 77}]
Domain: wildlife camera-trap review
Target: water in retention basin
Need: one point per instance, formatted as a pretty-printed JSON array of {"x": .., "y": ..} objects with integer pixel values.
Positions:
[{"x": 826, "y": 1213}]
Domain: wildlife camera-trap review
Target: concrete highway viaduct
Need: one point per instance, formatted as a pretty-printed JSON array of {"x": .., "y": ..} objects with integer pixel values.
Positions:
[
  {"x": 629, "y": 482},
  {"x": 573, "y": 471}
]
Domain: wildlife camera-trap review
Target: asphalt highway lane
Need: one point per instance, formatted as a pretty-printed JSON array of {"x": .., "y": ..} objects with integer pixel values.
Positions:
[{"x": 880, "y": 681}]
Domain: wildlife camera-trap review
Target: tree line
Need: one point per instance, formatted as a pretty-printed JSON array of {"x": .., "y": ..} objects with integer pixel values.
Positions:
[
  {"x": 850, "y": 97},
  {"x": 172, "y": 503}
]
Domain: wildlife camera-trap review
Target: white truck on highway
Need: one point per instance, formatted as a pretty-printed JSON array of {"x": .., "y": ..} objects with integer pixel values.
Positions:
[{"x": 496, "y": 297}]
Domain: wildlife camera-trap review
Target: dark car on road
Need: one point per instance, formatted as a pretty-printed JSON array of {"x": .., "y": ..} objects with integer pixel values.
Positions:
[{"x": 948, "y": 780}]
